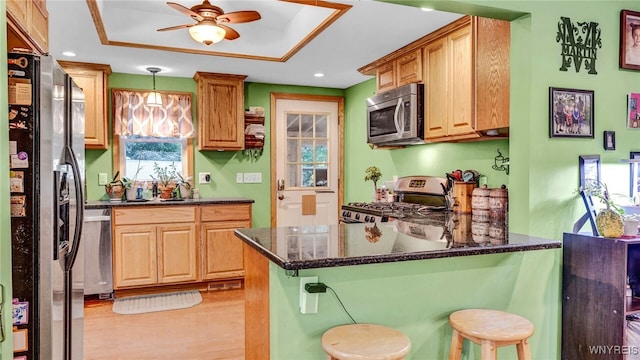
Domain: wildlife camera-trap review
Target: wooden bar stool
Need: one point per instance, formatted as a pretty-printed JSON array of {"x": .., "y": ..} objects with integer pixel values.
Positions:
[
  {"x": 490, "y": 329},
  {"x": 365, "y": 342}
]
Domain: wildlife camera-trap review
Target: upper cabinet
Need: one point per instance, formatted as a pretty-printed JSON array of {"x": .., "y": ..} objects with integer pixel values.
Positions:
[
  {"x": 93, "y": 79},
  {"x": 465, "y": 69},
  {"x": 220, "y": 111},
  {"x": 28, "y": 25}
]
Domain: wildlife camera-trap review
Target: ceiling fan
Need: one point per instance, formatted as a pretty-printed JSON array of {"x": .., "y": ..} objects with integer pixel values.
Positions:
[{"x": 210, "y": 27}]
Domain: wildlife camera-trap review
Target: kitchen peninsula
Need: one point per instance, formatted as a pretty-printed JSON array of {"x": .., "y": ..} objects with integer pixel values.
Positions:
[{"x": 383, "y": 275}]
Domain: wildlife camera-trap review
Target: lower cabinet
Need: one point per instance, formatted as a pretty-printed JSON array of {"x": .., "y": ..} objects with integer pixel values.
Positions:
[
  {"x": 154, "y": 246},
  {"x": 222, "y": 253}
]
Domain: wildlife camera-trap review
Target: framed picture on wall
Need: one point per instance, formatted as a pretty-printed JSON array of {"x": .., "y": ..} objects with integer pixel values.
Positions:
[
  {"x": 589, "y": 169},
  {"x": 633, "y": 112},
  {"x": 630, "y": 39},
  {"x": 571, "y": 113},
  {"x": 609, "y": 142}
]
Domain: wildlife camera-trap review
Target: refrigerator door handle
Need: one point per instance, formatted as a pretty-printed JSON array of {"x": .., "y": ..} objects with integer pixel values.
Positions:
[{"x": 69, "y": 158}]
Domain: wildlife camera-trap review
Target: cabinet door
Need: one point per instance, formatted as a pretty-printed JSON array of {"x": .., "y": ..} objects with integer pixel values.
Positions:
[
  {"x": 177, "y": 253},
  {"x": 435, "y": 89},
  {"x": 92, "y": 78},
  {"x": 39, "y": 27},
  {"x": 409, "y": 68},
  {"x": 222, "y": 250},
  {"x": 460, "y": 95},
  {"x": 134, "y": 256},
  {"x": 386, "y": 77},
  {"x": 492, "y": 39},
  {"x": 220, "y": 111},
  {"x": 20, "y": 10}
]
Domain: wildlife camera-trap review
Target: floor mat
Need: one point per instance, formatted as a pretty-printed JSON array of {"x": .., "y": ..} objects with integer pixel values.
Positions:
[{"x": 156, "y": 302}]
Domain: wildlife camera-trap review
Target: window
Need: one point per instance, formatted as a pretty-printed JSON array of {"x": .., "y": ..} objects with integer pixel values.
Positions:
[
  {"x": 307, "y": 150},
  {"x": 145, "y": 135}
]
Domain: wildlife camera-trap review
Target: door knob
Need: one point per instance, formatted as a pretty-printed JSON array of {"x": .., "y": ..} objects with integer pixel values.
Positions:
[{"x": 280, "y": 188}]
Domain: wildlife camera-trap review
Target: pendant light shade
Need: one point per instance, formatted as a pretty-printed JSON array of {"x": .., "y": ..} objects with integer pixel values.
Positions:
[
  {"x": 207, "y": 33},
  {"x": 154, "y": 98}
]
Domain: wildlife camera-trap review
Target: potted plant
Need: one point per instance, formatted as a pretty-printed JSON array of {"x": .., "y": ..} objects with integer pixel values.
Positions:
[
  {"x": 373, "y": 174},
  {"x": 130, "y": 185},
  {"x": 166, "y": 178},
  {"x": 609, "y": 221},
  {"x": 183, "y": 186},
  {"x": 115, "y": 189}
]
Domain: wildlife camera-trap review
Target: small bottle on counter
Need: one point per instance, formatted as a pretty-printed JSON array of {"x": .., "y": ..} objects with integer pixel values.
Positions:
[
  {"x": 154, "y": 191},
  {"x": 196, "y": 194}
]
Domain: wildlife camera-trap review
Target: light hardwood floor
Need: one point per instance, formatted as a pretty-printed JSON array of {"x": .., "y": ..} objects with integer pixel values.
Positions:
[{"x": 212, "y": 330}]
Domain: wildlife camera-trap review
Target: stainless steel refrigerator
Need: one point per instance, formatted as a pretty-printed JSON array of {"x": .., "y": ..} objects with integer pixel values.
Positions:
[{"x": 46, "y": 134}]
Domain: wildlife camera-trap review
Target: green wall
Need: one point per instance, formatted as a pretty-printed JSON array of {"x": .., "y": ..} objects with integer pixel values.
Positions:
[{"x": 6, "y": 347}]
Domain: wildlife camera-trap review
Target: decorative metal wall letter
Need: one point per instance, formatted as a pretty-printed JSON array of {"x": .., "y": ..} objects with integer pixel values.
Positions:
[{"x": 579, "y": 43}]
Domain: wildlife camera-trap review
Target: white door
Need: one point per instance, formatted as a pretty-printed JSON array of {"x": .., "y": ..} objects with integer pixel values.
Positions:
[{"x": 306, "y": 137}]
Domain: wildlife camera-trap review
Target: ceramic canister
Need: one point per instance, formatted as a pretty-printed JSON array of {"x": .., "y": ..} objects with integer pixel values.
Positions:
[
  {"x": 498, "y": 202},
  {"x": 480, "y": 198},
  {"x": 480, "y": 231}
]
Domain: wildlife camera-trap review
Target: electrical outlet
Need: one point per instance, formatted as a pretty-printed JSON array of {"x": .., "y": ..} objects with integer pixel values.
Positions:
[
  {"x": 204, "y": 178},
  {"x": 252, "y": 178},
  {"x": 239, "y": 178},
  {"x": 103, "y": 179},
  {"x": 308, "y": 302}
]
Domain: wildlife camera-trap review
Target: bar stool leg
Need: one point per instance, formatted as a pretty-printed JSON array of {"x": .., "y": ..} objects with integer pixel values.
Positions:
[
  {"x": 488, "y": 350},
  {"x": 524, "y": 353},
  {"x": 455, "y": 350}
]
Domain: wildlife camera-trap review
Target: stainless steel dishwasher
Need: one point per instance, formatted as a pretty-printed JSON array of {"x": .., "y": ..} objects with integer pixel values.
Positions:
[{"x": 96, "y": 241}]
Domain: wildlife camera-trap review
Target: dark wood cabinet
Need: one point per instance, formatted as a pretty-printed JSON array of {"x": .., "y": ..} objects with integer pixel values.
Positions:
[{"x": 595, "y": 274}]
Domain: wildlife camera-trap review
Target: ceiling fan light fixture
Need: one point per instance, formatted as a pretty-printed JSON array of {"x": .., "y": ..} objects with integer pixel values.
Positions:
[
  {"x": 207, "y": 33},
  {"x": 154, "y": 98}
]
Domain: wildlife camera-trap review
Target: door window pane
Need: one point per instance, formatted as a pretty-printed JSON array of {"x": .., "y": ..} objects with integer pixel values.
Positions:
[{"x": 307, "y": 150}]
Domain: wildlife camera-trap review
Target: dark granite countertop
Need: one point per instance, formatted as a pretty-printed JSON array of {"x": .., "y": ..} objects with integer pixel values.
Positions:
[
  {"x": 323, "y": 246},
  {"x": 159, "y": 202}
]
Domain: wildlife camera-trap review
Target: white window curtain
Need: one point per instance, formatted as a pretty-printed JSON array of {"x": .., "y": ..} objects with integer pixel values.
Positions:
[{"x": 132, "y": 117}]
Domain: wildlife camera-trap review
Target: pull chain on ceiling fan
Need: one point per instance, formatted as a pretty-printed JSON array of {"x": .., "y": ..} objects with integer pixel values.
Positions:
[{"x": 209, "y": 27}]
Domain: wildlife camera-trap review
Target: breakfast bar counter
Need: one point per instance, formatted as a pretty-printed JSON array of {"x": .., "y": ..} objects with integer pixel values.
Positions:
[{"x": 391, "y": 274}]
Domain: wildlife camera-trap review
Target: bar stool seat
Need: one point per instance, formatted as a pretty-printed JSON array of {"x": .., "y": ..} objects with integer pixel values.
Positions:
[
  {"x": 490, "y": 329},
  {"x": 365, "y": 341}
]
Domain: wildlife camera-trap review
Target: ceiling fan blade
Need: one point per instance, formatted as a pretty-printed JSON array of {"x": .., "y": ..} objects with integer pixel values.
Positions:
[
  {"x": 239, "y": 17},
  {"x": 186, "y": 11},
  {"x": 230, "y": 33},
  {"x": 176, "y": 27}
]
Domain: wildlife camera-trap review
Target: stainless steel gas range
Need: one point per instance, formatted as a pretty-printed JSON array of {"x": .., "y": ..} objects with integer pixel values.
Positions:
[{"x": 419, "y": 198}]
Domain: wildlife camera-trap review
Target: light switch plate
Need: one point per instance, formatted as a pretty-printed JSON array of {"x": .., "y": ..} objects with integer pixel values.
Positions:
[
  {"x": 252, "y": 178},
  {"x": 308, "y": 302},
  {"x": 103, "y": 179}
]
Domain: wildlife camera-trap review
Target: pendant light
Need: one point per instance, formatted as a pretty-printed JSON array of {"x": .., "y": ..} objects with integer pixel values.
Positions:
[{"x": 154, "y": 98}]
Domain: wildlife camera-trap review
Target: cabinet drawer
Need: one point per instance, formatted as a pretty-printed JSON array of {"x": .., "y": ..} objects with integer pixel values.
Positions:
[
  {"x": 225, "y": 212},
  {"x": 154, "y": 215}
]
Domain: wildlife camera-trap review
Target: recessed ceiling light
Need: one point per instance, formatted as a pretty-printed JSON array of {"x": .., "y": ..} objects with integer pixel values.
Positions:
[
  {"x": 426, "y": 9},
  {"x": 318, "y": 75},
  {"x": 68, "y": 53}
]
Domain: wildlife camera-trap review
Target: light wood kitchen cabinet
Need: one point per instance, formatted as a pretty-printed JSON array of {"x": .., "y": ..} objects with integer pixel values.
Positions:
[
  {"x": 177, "y": 253},
  {"x": 220, "y": 111},
  {"x": 465, "y": 69},
  {"x": 28, "y": 25},
  {"x": 222, "y": 253},
  {"x": 397, "y": 72},
  {"x": 147, "y": 251},
  {"x": 94, "y": 81},
  {"x": 135, "y": 255}
]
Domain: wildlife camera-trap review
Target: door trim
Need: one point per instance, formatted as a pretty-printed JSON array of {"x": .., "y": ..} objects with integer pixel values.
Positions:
[{"x": 305, "y": 97}]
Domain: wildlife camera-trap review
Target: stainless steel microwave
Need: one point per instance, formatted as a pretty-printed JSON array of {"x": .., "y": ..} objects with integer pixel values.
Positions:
[{"x": 396, "y": 117}]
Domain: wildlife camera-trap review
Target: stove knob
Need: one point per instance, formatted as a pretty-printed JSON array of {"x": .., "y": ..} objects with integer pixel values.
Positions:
[
  {"x": 373, "y": 219},
  {"x": 357, "y": 216},
  {"x": 366, "y": 218}
]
